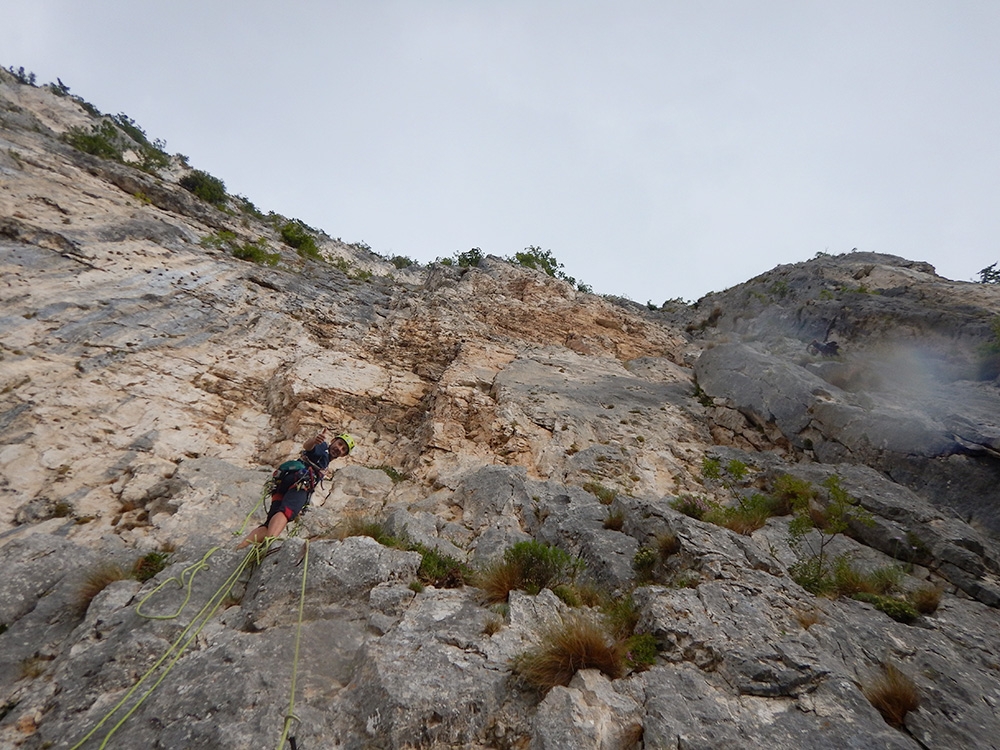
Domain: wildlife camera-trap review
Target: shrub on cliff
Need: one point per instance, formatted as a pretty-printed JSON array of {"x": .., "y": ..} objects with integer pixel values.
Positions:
[
  {"x": 210, "y": 189},
  {"x": 530, "y": 566},
  {"x": 294, "y": 234}
]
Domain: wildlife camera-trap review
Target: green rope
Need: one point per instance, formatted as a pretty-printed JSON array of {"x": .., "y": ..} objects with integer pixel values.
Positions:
[
  {"x": 290, "y": 716},
  {"x": 265, "y": 494},
  {"x": 185, "y": 580},
  {"x": 254, "y": 555}
]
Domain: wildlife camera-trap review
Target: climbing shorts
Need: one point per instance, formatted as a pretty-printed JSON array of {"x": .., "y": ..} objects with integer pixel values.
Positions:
[{"x": 291, "y": 504}]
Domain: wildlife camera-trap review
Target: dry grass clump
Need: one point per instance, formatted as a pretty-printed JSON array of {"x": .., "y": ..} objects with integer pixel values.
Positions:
[
  {"x": 492, "y": 625},
  {"x": 893, "y": 694},
  {"x": 33, "y": 666},
  {"x": 605, "y": 494},
  {"x": 580, "y": 642},
  {"x": 667, "y": 544},
  {"x": 360, "y": 525},
  {"x": 925, "y": 599},
  {"x": 807, "y": 617},
  {"x": 498, "y": 579},
  {"x": 97, "y": 580},
  {"x": 746, "y": 517},
  {"x": 615, "y": 519}
]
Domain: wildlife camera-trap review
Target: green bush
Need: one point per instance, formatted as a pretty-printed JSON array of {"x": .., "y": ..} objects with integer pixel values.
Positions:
[
  {"x": 640, "y": 652},
  {"x": 210, "y": 189},
  {"x": 294, "y": 234},
  {"x": 149, "y": 565},
  {"x": 540, "y": 565},
  {"x": 469, "y": 258},
  {"x": 101, "y": 140},
  {"x": 543, "y": 260},
  {"x": 438, "y": 569},
  {"x": 401, "y": 261},
  {"x": 111, "y": 138},
  {"x": 898, "y": 609},
  {"x": 813, "y": 572},
  {"x": 256, "y": 252}
]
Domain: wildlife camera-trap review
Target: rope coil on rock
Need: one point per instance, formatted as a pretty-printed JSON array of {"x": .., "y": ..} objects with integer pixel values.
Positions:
[{"x": 181, "y": 643}]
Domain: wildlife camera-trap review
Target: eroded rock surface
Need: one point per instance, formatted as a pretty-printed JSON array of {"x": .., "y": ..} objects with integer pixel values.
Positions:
[{"x": 149, "y": 381}]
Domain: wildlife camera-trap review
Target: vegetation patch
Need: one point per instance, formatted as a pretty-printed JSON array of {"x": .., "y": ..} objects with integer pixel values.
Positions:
[
  {"x": 925, "y": 599},
  {"x": 691, "y": 506},
  {"x": 440, "y": 570},
  {"x": 96, "y": 581},
  {"x": 253, "y": 251},
  {"x": 115, "y": 137},
  {"x": 602, "y": 493},
  {"x": 149, "y": 565},
  {"x": 579, "y": 642},
  {"x": 815, "y": 570},
  {"x": 295, "y": 234},
  {"x": 615, "y": 519},
  {"x": 893, "y": 694},
  {"x": 899, "y": 610},
  {"x": 529, "y": 566},
  {"x": 210, "y": 189},
  {"x": 394, "y": 474}
]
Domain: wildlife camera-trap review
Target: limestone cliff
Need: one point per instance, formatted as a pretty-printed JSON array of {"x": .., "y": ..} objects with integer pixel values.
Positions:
[{"x": 150, "y": 380}]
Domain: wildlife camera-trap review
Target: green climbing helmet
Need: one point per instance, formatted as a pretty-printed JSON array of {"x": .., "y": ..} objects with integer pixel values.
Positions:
[{"x": 348, "y": 440}]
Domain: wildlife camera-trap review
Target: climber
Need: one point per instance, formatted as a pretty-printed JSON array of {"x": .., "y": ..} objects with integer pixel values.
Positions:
[{"x": 292, "y": 495}]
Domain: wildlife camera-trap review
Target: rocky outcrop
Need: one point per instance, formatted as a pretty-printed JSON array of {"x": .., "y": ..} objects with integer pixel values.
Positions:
[
  {"x": 905, "y": 394},
  {"x": 149, "y": 380}
]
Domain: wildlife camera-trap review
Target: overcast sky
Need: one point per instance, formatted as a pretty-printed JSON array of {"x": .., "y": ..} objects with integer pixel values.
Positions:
[{"x": 658, "y": 149}]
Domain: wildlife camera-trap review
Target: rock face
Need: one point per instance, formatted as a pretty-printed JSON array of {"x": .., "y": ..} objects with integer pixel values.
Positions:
[{"x": 150, "y": 380}]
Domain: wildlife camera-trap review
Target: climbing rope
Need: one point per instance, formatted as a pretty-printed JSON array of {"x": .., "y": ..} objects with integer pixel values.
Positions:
[
  {"x": 181, "y": 643},
  {"x": 265, "y": 495},
  {"x": 290, "y": 716},
  {"x": 185, "y": 580}
]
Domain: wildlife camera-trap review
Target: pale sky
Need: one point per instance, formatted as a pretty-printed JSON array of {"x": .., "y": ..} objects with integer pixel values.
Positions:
[{"x": 659, "y": 149}]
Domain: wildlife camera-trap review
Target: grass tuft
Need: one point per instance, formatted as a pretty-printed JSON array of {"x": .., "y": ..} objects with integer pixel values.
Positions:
[
  {"x": 602, "y": 493},
  {"x": 579, "y": 642},
  {"x": 926, "y": 599},
  {"x": 615, "y": 519},
  {"x": 894, "y": 695},
  {"x": 667, "y": 544},
  {"x": 96, "y": 581}
]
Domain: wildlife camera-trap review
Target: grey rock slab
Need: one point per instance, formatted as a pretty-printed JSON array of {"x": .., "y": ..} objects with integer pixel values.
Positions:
[
  {"x": 428, "y": 681},
  {"x": 588, "y": 714},
  {"x": 338, "y": 572}
]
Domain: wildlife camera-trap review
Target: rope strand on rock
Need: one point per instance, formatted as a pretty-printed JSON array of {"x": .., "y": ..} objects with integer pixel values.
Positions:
[
  {"x": 180, "y": 644},
  {"x": 290, "y": 716}
]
